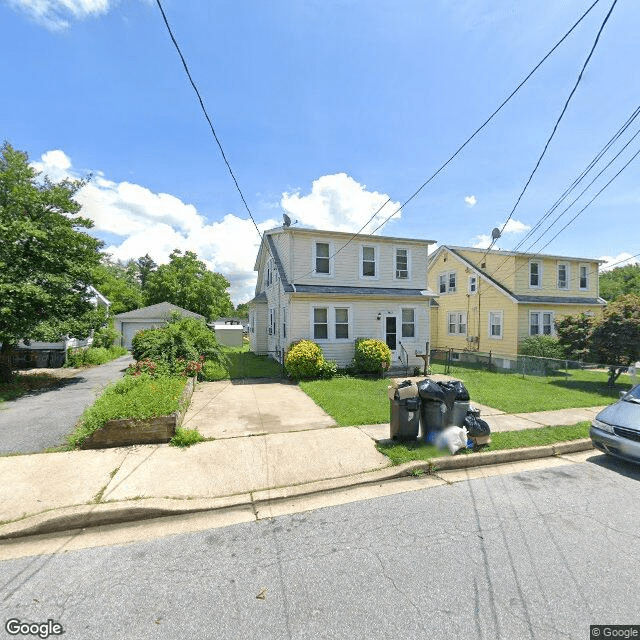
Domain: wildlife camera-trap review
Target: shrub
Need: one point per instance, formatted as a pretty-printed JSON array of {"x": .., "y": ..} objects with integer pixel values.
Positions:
[
  {"x": 93, "y": 356},
  {"x": 371, "y": 356},
  {"x": 161, "y": 368},
  {"x": 304, "y": 360},
  {"x": 105, "y": 337},
  {"x": 542, "y": 346}
]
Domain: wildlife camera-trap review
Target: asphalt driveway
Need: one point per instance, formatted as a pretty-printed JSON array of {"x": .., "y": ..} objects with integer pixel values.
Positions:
[{"x": 42, "y": 419}]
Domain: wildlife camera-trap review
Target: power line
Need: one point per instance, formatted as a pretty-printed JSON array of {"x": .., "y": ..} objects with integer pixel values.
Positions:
[
  {"x": 206, "y": 115},
  {"x": 555, "y": 126},
  {"x": 468, "y": 140}
]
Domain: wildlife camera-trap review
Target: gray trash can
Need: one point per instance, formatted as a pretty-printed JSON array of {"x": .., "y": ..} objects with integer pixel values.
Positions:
[
  {"x": 433, "y": 418},
  {"x": 405, "y": 418},
  {"x": 457, "y": 414}
]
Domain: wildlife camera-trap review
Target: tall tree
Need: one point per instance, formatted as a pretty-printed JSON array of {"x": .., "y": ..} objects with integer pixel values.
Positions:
[
  {"x": 242, "y": 311},
  {"x": 119, "y": 284},
  {"x": 187, "y": 283},
  {"x": 146, "y": 266},
  {"x": 46, "y": 260},
  {"x": 620, "y": 281}
]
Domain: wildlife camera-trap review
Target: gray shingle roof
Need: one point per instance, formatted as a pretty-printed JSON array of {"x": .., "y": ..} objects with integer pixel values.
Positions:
[
  {"x": 559, "y": 300},
  {"x": 160, "y": 310},
  {"x": 361, "y": 291}
]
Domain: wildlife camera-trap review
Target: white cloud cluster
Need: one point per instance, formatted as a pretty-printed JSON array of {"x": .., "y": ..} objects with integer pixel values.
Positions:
[
  {"x": 470, "y": 201},
  {"x": 621, "y": 260},
  {"x": 157, "y": 223},
  {"x": 514, "y": 227},
  {"x": 340, "y": 203},
  {"x": 55, "y": 14}
]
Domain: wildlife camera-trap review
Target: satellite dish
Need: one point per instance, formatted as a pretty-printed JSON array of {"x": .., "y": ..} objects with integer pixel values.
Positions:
[
  {"x": 495, "y": 234},
  {"x": 287, "y": 220}
]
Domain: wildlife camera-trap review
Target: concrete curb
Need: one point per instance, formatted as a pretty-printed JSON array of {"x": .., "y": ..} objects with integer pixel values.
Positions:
[{"x": 108, "y": 513}]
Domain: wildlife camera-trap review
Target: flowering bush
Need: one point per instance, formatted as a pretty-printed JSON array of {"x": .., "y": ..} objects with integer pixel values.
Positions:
[
  {"x": 371, "y": 356},
  {"x": 305, "y": 361}
]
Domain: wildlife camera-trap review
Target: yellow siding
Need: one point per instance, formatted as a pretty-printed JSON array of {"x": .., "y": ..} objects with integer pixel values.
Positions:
[
  {"x": 499, "y": 266},
  {"x": 549, "y": 284}
]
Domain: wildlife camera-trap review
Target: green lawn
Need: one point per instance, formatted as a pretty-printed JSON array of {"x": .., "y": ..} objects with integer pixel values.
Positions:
[
  {"x": 354, "y": 401},
  {"x": 23, "y": 384},
  {"x": 242, "y": 364},
  {"x": 399, "y": 453}
]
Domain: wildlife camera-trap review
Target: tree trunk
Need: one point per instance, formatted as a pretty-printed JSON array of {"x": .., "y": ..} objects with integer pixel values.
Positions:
[
  {"x": 614, "y": 374},
  {"x": 6, "y": 370}
]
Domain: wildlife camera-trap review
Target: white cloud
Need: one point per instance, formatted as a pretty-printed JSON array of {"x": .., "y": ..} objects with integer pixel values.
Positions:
[
  {"x": 55, "y": 14},
  {"x": 157, "y": 223},
  {"x": 340, "y": 203},
  {"x": 621, "y": 260},
  {"x": 470, "y": 201},
  {"x": 483, "y": 241}
]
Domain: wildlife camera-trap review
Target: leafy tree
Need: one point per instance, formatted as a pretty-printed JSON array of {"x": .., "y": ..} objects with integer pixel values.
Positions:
[
  {"x": 145, "y": 266},
  {"x": 574, "y": 333},
  {"x": 46, "y": 261},
  {"x": 242, "y": 311},
  {"x": 620, "y": 281},
  {"x": 615, "y": 339},
  {"x": 187, "y": 283},
  {"x": 119, "y": 284}
]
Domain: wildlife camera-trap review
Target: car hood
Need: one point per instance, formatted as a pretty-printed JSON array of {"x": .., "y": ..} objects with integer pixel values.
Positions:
[{"x": 622, "y": 414}]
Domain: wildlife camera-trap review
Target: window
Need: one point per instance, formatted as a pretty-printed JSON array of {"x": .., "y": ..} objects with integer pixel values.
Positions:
[
  {"x": 457, "y": 322},
  {"x": 408, "y": 323},
  {"x": 321, "y": 323},
  {"x": 534, "y": 274},
  {"x": 563, "y": 276},
  {"x": 540, "y": 323},
  {"x": 447, "y": 282},
  {"x": 342, "y": 324},
  {"x": 322, "y": 258},
  {"x": 368, "y": 262},
  {"x": 272, "y": 322},
  {"x": 284, "y": 322},
  {"x": 495, "y": 324},
  {"x": 252, "y": 326},
  {"x": 584, "y": 277},
  {"x": 402, "y": 264},
  {"x": 473, "y": 284},
  {"x": 269, "y": 273}
]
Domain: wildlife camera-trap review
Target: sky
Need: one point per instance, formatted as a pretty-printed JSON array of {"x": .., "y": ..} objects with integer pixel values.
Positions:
[{"x": 326, "y": 110}]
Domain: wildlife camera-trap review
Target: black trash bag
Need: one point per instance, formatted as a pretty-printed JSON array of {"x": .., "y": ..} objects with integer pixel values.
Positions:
[
  {"x": 461, "y": 391},
  {"x": 475, "y": 426},
  {"x": 431, "y": 391},
  {"x": 450, "y": 393}
]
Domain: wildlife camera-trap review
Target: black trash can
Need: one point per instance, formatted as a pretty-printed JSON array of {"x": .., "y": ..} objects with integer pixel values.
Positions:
[
  {"x": 433, "y": 418},
  {"x": 405, "y": 418}
]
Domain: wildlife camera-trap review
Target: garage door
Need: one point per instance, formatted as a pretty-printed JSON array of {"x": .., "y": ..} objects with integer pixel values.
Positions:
[{"x": 129, "y": 329}]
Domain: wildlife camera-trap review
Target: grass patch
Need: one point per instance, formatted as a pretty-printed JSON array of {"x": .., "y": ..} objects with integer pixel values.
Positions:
[
  {"x": 186, "y": 437},
  {"x": 407, "y": 452},
  {"x": 132, "y": 397},
  {"x": 23, "y": 384},
  {"x": 242, "y": 363}
]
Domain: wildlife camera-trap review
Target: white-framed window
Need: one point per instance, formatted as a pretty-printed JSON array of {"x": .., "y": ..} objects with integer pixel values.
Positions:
[
  {"x": 341, "y": 324},
  {"x": 368, "y": 262},
  {"x": 320, "y": 323},
  {"x": 271, "y": 329},
  {"x": 269, "y": 272},
  {"x": 495, "y": 325},
  {"x": 584, "y": 277},
  {"x": 402, "y": 264},
  {"x": 541, "y": 323},
  {"x": 473, "y": 284},
  {"x": 252, "y": 321},
  {"x": 284, "y": 322},
  {"x": 535, "y": 274},
  {"x": 322, "y": 258},
  {"x": 408, "y": 323},
  {"x": 563, "y": 275},
  {"x": 447, "y": 282},
  {"x": 457, "y": 323}
]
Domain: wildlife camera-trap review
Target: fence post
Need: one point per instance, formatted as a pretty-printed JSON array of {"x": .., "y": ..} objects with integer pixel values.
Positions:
[
  {"x": 566, "y": 369},
  {"x": 489, "y": 360},
  {"x": 524, "y": 365}
]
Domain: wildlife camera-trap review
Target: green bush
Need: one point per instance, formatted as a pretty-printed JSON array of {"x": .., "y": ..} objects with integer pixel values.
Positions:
[
  {"x": 542, "y": 347},
  {"x": 186, "y": 339},
  {"x": 371, "y": 356},
  {"x": 305, "y": 360},
  {"x": 105, "y": 337},
  {"x": 93, "y": 356}
]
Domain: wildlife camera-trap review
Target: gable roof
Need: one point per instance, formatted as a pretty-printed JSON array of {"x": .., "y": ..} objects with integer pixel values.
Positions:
[{"x": 160, "y": 310}]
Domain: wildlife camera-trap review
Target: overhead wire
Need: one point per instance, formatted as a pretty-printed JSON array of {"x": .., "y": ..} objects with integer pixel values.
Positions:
[{"x": 556, "y": 125}]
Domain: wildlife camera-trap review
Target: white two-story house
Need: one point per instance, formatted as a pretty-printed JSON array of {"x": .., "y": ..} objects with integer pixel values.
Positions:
[{"x": 332, "y": 287}]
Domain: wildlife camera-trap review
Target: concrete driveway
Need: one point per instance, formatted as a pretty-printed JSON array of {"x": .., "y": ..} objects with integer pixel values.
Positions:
[
  {"x": 43, "y": 419},
  {"x": 229, "y": 409}
]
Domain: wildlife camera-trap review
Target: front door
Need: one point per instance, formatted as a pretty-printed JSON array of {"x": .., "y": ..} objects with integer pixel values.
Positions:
[{"x": 391, "y": 332}]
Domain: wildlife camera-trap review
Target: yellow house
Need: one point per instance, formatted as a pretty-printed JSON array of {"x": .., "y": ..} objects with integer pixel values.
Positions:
[{"x": 491, "y": 301}]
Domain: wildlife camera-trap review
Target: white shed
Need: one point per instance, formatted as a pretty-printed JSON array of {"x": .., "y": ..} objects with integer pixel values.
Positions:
[{"x": 228, "y": 335}]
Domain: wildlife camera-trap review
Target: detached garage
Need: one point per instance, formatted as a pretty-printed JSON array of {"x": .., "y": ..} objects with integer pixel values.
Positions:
[{"x": 153, "y": 317}]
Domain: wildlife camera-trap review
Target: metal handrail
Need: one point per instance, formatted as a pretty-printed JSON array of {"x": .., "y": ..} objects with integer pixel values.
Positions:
[{"x": 406, "y": 362}]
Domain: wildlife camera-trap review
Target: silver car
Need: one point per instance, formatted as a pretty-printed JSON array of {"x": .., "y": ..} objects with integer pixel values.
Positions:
[{"x": 616, "y": 429}]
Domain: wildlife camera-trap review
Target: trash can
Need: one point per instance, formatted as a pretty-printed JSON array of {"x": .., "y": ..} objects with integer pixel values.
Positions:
[
  {"x": 457, "y": 414},
  {"x": 42, "y": 358},
  {"x": 433, "y": 418},
  {"x": 405, "y": 418}
]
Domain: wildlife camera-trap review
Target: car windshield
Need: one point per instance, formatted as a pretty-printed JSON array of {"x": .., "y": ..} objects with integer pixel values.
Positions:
[{"x": 633, "y": 395}]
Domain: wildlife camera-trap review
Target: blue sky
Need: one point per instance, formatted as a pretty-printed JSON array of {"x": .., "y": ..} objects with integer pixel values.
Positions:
[{"x": 325, "y": 109}]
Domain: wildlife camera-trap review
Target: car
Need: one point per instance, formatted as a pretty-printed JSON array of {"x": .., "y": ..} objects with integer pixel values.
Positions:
[{"x": 616, "y": 429}]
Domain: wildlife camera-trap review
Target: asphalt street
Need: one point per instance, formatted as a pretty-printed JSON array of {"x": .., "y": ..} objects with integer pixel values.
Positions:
[
  {"x": 536, "y": 554},
  {"x": 42, "y": 419}
]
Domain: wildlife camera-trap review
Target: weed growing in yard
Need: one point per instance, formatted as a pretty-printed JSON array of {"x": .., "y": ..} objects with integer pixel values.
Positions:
[
  {"x": 93, "y": 356},
  {"x": 185, "y": 437}
]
